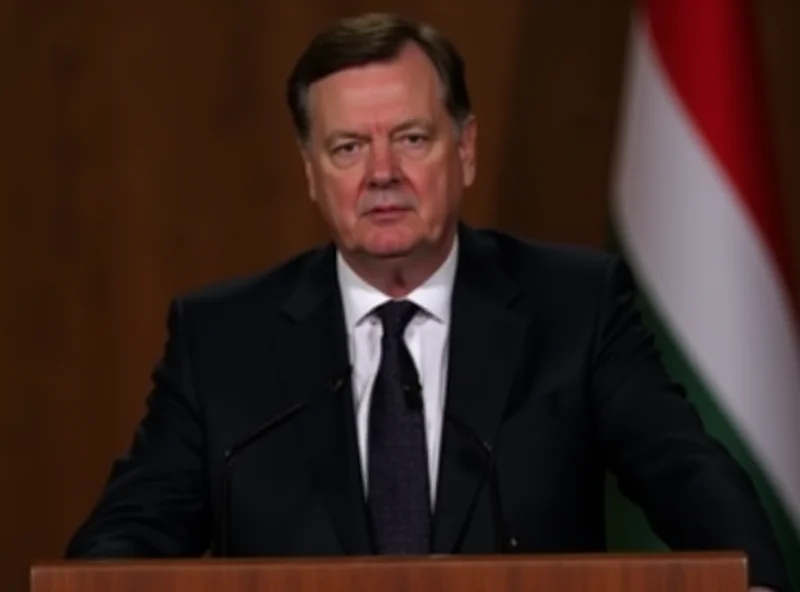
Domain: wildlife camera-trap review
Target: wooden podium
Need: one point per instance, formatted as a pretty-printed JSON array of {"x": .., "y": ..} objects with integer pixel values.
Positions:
[{"x": 717, "y": 572}]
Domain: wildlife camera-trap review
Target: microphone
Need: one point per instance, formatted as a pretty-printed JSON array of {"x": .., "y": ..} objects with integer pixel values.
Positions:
[
  {"x": 333, "y": 387},
  {"x": 504, "y": 543}
]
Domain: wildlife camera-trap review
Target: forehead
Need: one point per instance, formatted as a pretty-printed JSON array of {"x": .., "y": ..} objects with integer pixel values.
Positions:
[{"x": 377, "y": 93}]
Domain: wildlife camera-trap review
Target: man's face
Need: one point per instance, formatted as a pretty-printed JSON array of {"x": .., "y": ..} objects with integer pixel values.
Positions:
[{"x": 384, "y": 160}]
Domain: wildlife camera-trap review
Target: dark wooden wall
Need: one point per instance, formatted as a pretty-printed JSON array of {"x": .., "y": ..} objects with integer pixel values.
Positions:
[{"x": 145, "y": 149}]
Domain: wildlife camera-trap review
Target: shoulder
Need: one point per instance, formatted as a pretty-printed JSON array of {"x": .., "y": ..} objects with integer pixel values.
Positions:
[
  {"x": 542, "y": 264},
  {"x": 264, "y": 291}
]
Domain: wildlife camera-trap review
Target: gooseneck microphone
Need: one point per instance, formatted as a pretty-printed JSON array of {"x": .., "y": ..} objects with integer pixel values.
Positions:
[
  {"x": 333, "y": 387},
  {"x": 504, "y": 542}
]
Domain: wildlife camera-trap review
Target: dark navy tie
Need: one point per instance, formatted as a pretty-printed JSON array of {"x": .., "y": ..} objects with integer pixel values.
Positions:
[{"x": 399, "y": 499}]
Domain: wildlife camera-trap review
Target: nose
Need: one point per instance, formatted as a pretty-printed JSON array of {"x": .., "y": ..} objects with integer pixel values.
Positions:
[{"x": 382, "y": 170}]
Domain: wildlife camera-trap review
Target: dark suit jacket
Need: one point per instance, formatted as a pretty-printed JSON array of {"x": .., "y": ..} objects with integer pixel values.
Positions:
[{"x": 548, "y": 361}]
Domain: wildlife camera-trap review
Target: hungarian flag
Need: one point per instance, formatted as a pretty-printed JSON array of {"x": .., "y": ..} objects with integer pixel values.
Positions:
[{"x": 696, "y": 213}]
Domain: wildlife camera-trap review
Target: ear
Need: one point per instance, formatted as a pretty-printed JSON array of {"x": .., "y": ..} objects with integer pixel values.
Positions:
[
  {"x": 308, "y": 169},
  {"x": 467, "y": 149}
]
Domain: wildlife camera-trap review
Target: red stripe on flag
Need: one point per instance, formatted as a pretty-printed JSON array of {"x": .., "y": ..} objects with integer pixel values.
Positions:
[{"x": 709, "y": 51}]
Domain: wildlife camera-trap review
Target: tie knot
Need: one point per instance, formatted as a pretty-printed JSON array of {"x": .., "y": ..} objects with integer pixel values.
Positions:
[{"x": 395, "y": 316}]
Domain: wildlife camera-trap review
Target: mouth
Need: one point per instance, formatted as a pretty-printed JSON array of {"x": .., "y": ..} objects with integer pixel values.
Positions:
[{"x": 387, "y": 213}]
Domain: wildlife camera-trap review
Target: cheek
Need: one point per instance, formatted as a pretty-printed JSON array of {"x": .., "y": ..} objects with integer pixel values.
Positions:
[
  {"x": 433, "y": 184},
  {"x": 340, "y": 191}
]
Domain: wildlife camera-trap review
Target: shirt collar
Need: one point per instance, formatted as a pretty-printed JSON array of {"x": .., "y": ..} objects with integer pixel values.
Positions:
[{"x": 434, "y": 296}]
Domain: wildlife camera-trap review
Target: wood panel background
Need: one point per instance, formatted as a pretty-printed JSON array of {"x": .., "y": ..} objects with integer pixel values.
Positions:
[{"x": 145, "y": 149}]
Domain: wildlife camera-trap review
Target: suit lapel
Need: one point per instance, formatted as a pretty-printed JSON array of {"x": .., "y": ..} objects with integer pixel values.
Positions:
[
  {"x": 485, "y": 342},
  {"x": 313, "y": 356}
]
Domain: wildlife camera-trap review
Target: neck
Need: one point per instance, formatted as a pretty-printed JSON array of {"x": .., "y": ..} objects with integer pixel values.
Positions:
[{"x": 399, "y": 276}]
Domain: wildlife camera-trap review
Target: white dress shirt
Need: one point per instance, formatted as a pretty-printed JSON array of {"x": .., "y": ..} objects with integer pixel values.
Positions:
[{"x": 426, "y": 337}]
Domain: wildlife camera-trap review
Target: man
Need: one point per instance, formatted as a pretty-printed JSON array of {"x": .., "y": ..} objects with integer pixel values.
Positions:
[{"x": 430, "y": 387}]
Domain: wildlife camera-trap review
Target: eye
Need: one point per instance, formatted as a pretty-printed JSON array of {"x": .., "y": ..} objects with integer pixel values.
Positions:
[
  {"x": 346, "y": 148},
  {"x": 414, "y": 140}
]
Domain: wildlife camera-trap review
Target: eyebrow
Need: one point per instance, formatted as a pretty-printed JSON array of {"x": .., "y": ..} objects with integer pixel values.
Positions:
[
  {"x": 412, "y": 123},
  {"x": 337, "y": 135}
]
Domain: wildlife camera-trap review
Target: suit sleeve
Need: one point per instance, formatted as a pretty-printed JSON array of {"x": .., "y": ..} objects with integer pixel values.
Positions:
[
  {"x": 155, "y": 503},
  {"x": 694, "y": 494}
]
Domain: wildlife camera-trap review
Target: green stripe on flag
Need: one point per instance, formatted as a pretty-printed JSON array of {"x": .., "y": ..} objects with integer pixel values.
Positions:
[{"x": 628, "y": 529}]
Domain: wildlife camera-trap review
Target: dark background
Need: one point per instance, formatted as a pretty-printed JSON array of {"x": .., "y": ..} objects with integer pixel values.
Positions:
[{"x": 145, "y": 149}]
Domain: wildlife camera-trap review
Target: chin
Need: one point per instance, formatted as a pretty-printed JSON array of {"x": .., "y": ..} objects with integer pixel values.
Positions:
[
  {"x": 390, "y": 243},
  {"x": 389, "y": 251}
]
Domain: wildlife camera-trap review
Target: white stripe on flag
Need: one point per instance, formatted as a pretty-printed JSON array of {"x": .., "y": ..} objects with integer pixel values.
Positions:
[{"x": 697, "y": 254}]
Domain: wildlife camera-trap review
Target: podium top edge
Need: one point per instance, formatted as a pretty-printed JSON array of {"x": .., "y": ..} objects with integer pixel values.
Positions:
[{"x": 212, "y": 563}]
